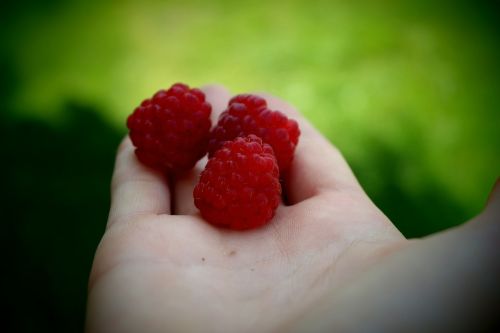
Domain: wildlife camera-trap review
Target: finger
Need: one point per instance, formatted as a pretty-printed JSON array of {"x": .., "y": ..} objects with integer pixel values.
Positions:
[
  {"x": 493, "y": 202},
  {"x": 490, "y": 216},
  {"x": 184, "y": 186},
  {"x": 217, "y": 96},
  {"x": 317, "y": 166},
  {"x": 136, "y": 189}
]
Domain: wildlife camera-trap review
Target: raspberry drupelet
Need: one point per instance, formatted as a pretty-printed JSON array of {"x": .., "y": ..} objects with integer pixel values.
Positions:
[
  {"x": 170, "y": 130},
  {"x": 239, "y": 188}
]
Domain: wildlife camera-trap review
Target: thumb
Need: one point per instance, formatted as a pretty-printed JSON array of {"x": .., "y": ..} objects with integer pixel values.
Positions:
[
  {"x": 492, "y": 209},
  {"x": 486, "y": 225}
]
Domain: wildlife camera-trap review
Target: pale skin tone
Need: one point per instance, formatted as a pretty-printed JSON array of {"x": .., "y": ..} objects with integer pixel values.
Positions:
[{"x": 329, "y": 261}]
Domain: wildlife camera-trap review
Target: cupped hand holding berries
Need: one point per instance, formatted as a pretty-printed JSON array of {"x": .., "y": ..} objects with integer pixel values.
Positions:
[{"x": 327, "y": 261}]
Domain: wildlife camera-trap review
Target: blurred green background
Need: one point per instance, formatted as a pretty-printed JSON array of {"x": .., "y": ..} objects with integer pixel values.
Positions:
[{"x": 409, "y": 91}]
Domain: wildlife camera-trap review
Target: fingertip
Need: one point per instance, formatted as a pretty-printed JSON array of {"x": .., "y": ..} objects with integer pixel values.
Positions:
[
  {"x": 495, "y": 192},
  {"x": 218, "y": 96},
  {"x": 124, "y": 158},
  {"x": 493, "y": 202},
  {"x": 125, "y": 144},
  {"x": 278, "y": 104},
  {"x": 214, "y": 88}
]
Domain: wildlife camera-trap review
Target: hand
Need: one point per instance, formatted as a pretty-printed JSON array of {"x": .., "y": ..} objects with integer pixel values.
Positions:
[{"x": 329, "y": 261}]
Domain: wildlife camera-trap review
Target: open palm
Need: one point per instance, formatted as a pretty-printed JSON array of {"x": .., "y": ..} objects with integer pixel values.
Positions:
[{"x": 319, "y": 264}]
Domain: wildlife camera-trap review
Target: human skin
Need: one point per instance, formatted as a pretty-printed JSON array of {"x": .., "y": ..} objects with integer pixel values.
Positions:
[{"x": 329, "y": 261}]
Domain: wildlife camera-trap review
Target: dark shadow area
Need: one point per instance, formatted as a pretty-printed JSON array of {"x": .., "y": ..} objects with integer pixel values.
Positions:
[
  {"x": 55, "y": 194},
  {"x": 10, "y": 8}
]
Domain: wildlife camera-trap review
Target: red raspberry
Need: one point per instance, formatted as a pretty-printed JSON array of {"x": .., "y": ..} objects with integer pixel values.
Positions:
[
  {"x": 248, "y": 114},
  {"x": 171, "y": 130},
  {"x": 239, "y": 188}
]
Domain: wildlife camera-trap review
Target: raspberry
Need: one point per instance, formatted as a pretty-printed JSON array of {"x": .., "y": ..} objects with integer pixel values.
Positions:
[
  {"x": 248, "y": 114},
  {"x": 171, "y": 129},
  {"x": 239, "y": 188}
]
